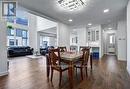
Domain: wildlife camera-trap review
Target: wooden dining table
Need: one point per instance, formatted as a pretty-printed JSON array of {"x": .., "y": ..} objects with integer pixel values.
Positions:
[{"x": 69, "y": 58}]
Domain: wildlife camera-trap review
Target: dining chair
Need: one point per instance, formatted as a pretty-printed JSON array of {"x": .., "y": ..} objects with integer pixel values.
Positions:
[
  {"x": 56, "y": 63},
  {"x": 74, "y": 48},
  {"x": 62, "y": 49},
  {"x": 82, "y": 63},
  {"x": 84, "y": 47},
  {"x": 81, "y": 48}
]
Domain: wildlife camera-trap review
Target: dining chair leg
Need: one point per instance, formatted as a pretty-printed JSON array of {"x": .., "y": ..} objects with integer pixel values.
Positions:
[
  {"x": 76, "y": 71},
  {"x": 81, "y": 70},
  {"x": 60, "y": 79},
  {"x": 86, "y": 71},
  {"x": 51, "y": 74}
]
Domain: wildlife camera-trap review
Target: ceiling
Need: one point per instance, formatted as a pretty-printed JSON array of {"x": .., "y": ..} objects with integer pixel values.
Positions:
[{"x": 92, "y": 13}]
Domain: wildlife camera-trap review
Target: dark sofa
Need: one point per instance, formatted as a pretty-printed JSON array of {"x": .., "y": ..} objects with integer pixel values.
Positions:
[
  {"x": 19, "y": 51},
  {"x": 44, "y": 51}
]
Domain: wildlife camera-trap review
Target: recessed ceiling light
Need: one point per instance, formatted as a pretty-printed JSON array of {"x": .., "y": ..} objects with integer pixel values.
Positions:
[
  {"x": 106, "y": 10},
  {"x": 74, "y": 30},
  {"x": 89, "y": 24},
  {"x": 109, "y": 28},
  {"x": 70, "y": 20}
]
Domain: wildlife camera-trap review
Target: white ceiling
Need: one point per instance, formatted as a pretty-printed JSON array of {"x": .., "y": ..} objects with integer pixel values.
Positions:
[{"x": 93, "y": 12}]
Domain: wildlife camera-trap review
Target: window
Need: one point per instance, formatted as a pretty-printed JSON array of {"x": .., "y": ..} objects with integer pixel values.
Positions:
[
  {"x": 11, "y": 42},
  {"x": 11, "y": 20},
  {"x": 44, "y": 41},
  {"x": 19, "y": 36},
  {"x": 111, "y": 39},
  {"x": 16, "y": 42},
  {"x": 24, "y": 34},
  {"x": 22, "y": 21},
  {"x": 24, "y": 42},
  {"x": 19, "y": 32},
  {"x": 10, "y": 32}
]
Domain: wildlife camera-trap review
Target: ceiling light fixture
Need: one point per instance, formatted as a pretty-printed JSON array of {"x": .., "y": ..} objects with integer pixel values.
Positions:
[
  {"x": 70, "y": 20},
  {"x": 89, "y": 24},
  {"x": 71, "y": 5},
  {"x": 106, "y": 10},
  {"x": 110, "y": 28}
]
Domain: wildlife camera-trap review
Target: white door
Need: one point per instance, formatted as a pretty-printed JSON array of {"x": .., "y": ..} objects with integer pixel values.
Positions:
[{"x": 111, "y": 43}]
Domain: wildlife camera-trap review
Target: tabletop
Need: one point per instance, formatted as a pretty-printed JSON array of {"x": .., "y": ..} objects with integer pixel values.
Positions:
[{"x": 70, "y": 56}]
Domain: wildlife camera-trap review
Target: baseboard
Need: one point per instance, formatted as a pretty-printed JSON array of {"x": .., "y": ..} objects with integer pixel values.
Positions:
[
  {"x": 119, "y": 59},
  {"x": 4, "y": 73}
]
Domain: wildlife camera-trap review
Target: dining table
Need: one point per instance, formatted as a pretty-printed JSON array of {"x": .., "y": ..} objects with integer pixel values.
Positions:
[{"x": 69, "y": 58}]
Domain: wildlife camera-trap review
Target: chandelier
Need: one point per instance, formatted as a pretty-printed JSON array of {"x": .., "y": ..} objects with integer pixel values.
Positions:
[{"x": 72, "y": 5}]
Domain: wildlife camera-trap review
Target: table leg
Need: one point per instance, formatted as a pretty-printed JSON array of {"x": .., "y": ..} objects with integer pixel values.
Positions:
[
  {"x": 91, "y": 61},
  {"x": 47, "y": 66},
  {"x": 71, "y": 75}
]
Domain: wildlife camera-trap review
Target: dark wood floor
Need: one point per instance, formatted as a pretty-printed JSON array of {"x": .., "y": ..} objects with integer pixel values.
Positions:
[{"x": 25, "y": 73}]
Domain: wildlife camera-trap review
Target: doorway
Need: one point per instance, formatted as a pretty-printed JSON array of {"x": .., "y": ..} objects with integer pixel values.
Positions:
[{"x": 111, "y": 43}]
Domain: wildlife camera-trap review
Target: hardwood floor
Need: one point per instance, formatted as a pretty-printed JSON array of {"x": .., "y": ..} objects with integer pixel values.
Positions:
[{"x": 25, "y": 73}]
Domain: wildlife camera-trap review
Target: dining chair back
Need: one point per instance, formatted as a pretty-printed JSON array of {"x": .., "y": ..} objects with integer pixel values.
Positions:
[
  {"x": 62, "y": 49},
  {"x": 54, "y": 55},
  {"x": 85, "y": 57},
  {"x": 81, "y": 48},
  {"x": 82, "y": 63},
  {"x": 56, "y": 63}
]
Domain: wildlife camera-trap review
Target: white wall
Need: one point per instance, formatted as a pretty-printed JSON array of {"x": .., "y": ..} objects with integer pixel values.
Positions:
[
  {"x": 81, "y": 34},
  {"x": 3, "y": 49},
  {"x": 81, "y": 37},
  {"x": 121, "y": 40},
  {"x": 43, "y": 23},
  {"x": 33, "y": 35},
  {"x": 128, "y": 37},
  {"x": 63, "y": 35}
]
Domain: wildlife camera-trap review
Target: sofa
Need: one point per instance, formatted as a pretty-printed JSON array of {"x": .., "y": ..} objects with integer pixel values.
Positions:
[
  {"x": 44, "y": 51},
  {"x": 19, "y": 51}
]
